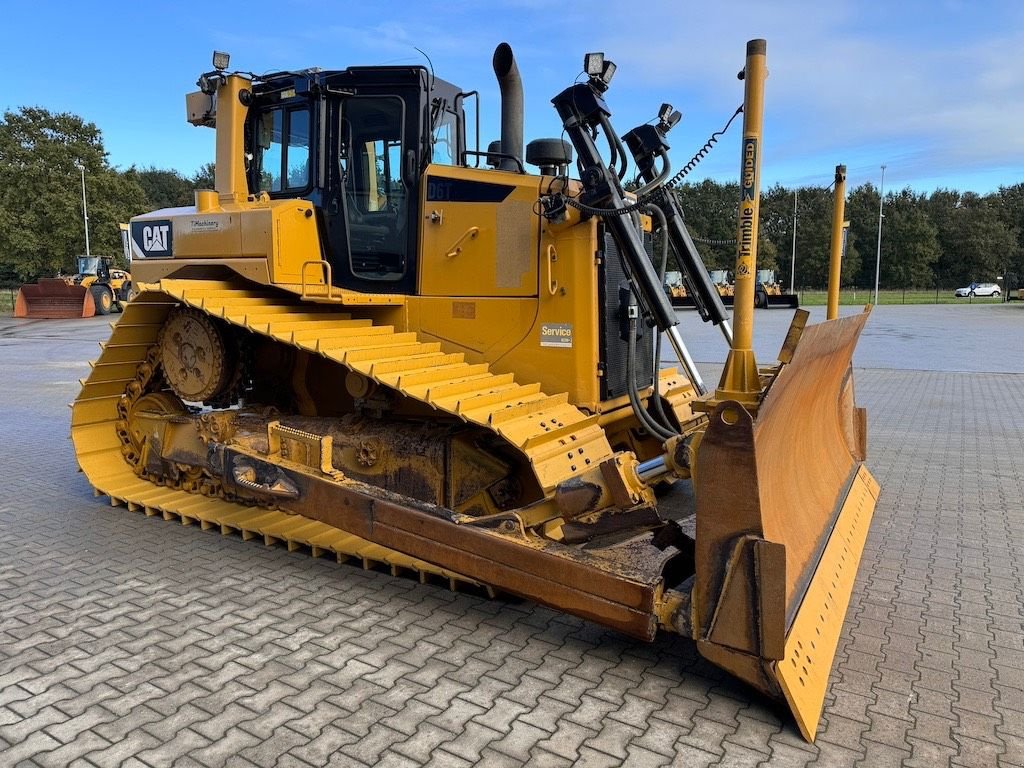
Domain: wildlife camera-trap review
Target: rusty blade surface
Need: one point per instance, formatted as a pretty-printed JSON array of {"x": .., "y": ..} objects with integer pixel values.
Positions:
[
  {"x": 53, "y": 298},
  {"x": 806, "y": 448}
]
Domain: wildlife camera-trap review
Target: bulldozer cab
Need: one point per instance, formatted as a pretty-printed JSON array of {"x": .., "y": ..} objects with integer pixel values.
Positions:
[{"x": 355, "y": 143}]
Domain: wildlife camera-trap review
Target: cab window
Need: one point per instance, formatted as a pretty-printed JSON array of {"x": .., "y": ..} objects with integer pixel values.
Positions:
[
  {"x": 282, "y": 149},
  {"x": 444, "y": 139}
]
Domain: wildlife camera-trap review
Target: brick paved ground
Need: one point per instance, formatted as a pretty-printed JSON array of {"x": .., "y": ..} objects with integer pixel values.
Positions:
[{"x": 129, "y": 640}]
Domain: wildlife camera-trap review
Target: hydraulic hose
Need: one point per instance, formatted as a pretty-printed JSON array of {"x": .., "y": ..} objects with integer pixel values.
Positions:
[
  {"x": 641, "y": 413},
  {"x": 659, "y": 412}
]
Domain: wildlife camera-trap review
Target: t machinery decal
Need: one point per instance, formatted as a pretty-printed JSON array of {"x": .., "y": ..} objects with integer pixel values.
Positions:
[
  {"x": 204, "y": 226},
  {"x": 152, "y": 239}
]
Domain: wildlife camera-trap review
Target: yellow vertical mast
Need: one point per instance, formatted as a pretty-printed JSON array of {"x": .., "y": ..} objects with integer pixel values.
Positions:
[
  {"x": 836, "y": 261},
  {"x": 740, "y": 379}
]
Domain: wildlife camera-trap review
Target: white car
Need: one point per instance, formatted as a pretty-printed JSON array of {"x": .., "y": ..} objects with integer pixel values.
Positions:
[{"x": 978, "y": 289}]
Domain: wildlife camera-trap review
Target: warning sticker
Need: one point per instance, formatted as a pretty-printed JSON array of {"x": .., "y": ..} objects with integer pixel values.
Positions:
[
  {"x": 464, "y": 309},
  {"x": 556, "y": 335}
]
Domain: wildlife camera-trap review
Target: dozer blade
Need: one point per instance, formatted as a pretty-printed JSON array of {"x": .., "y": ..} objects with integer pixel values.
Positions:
[
  {"x": 783, "y": 508},
  {"x": 53, "y": 298}
]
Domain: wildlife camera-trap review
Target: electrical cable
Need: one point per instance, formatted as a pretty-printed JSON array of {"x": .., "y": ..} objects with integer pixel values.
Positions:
[
  {"x": 710, "y": 241},
  {"x": 703, "y": 151}
]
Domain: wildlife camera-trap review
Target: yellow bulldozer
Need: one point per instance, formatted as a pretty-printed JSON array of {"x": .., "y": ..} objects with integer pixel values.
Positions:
[
  {"x": 366, "y": 343},
  {"x": 97, "y": 288}
]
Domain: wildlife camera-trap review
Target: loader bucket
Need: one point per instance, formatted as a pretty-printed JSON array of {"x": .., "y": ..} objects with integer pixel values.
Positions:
[
  {"x": 783, "y": 300},
  {"x": 54, "y": 298},
  {"x": 783, "y": 508}
]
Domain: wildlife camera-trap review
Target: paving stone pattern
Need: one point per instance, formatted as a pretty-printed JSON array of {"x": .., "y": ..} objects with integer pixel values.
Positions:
[{"x": 127, "y": 640}]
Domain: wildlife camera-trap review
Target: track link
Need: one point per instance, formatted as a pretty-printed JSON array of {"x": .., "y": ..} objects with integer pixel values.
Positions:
[{"x": 556, "y": 438}]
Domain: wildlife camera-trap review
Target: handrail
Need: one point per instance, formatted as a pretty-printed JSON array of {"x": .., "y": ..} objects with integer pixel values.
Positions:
[
  {"x": 325, "y": 275},
  {"x": 552, "y": 282},
  {"x": 456, "y": 248}
]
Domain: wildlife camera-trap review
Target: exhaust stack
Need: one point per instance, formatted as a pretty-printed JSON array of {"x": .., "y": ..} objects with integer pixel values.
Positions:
[{"x": 511, "y": 86}]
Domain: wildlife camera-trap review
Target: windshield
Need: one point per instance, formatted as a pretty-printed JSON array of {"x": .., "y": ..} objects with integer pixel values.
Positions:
[{"x": 87, "y": 265}]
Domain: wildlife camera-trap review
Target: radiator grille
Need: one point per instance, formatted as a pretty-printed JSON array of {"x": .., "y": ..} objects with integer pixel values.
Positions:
[{"x": 611, "y": 275}]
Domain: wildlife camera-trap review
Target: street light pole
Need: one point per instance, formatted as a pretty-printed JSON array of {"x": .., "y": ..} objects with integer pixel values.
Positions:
[
  {"x": 85, "y": 208},
  {"x": 878, "y": 254},
  {"x": 792, "y": 265}
]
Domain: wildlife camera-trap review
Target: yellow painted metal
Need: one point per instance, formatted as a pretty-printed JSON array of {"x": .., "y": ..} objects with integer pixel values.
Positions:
[
  {"x": 267, "y": 241},
  {"x": 229, "y": 175},
  {"x": 836, "y": 261},
  {"x": 558, "y": 439},
  {"x": 469, "y": 249},
  {"x": 470, "y": 347},
  {"x": 808, "y": 444},
  {"x": 486, "y": 301},
  {"x": 98, "y": 449},
  {"x": 740, "y": 378},
  {"x": 812, "y": 639},
  {"x": 492, "y": 301}
]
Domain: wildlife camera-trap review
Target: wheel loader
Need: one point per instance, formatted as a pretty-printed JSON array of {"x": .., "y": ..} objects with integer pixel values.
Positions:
[
  {"x": 111, "y": 288},
  {"x": 767, "y": 292},
  {"x": 366, "y": 343},
  {"x": 95, "y": 288}
]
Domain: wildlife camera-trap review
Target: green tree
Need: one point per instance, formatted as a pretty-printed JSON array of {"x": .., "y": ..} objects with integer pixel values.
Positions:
[
  {"x": 163, "y": 188},
  {"x": 910, "y": 243},
  {"x": 711, "y": 209},
  {"x": 977, "y": 236},
  {"x": 813, "y": 236},
  {"x": 1009, "y": 202},
  {"x": 204, "y": 178},
  {"x": 776, "y": 232},
  {"x": 862, "y": 213},
  {"x": 41, "y": 222}
]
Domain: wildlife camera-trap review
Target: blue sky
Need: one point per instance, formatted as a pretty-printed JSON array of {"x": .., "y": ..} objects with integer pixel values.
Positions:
[{"x": 930, "y": 89}]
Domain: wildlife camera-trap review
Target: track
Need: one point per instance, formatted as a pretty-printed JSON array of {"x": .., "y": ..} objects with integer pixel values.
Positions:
[{"x": 556, "y": 438}]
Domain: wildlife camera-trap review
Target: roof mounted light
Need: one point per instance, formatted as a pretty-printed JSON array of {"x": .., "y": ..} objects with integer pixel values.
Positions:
[
  {"x": 221, "y": 60},
  {"x": 668, "y": 117},
  {"x": 593, "y": 64},
  {"x": 599, "y": 70}
]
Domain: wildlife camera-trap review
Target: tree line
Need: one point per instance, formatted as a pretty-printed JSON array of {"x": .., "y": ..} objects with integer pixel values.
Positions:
[
  {"x": 42, "y": 158},
  {"x": 942, "y": 239}
]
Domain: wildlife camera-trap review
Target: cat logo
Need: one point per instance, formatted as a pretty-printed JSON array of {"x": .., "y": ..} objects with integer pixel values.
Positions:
[
  {"x": 155, "y": 238},
  {"x": 152, "y": 239}
]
